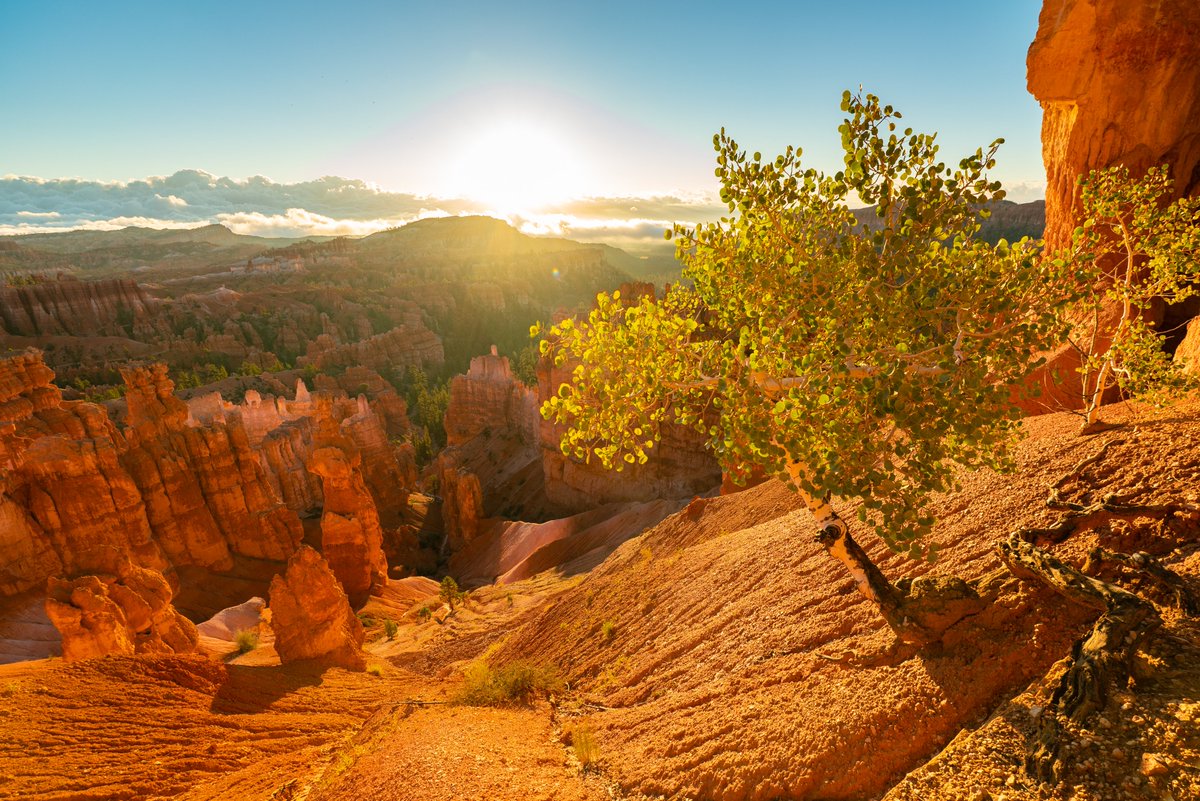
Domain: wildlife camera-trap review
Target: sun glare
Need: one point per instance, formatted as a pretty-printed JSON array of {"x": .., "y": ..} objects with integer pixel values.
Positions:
[{"x": 518, "y": 166}]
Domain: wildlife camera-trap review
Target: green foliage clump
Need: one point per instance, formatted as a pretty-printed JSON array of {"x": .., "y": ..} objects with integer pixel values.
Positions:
[
  {"x": 375, "y": 669},
  {"x": 512, "y": 684},
  {"x": 246, "y": 641},
  {"x": 856, "y": 361},
  {"x": 390, "y": 627},
  {"x": 1138, "y": 250},
  {"x": 608, "y": 630},
  {"x": 427, "y": 403},
  {"x": 424, "y": 613},
  {"x": 449, "y": 592}
]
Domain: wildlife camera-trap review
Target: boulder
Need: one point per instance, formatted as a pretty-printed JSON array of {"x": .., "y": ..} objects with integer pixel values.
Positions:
[{"x": 127, "y": 613}]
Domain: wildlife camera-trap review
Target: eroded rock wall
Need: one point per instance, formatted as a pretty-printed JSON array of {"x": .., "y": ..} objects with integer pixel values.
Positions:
[{"x": 1119, "y": 83}]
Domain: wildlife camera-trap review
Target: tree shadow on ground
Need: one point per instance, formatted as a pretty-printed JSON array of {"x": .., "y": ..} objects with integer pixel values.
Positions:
[{"x": 250, "y": 689}]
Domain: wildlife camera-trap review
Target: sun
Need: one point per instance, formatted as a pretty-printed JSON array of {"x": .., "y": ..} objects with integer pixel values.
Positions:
[{"x": 517, "y": 166}]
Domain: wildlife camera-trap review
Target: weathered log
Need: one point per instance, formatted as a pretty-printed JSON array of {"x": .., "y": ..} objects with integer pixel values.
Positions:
[
  {"x": 1100, "y": 660},
  {"x": 1176, "y": 589}
]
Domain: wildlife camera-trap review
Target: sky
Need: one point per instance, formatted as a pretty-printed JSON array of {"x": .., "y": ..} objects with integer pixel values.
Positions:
[{"x": 566, "y": 117}]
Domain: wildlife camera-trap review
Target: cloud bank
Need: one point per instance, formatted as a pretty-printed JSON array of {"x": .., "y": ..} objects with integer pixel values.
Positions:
[{"x": 329, "y": 206}]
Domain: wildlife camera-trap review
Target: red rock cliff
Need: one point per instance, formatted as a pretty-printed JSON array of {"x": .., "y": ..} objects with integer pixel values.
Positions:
[{"x": 1119, "y": 82}]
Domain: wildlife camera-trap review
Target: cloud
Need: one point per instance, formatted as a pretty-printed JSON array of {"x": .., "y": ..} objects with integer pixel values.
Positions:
[{"x": 331, "y": 206}]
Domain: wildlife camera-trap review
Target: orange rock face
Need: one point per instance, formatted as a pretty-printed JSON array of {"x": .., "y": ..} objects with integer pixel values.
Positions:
[
  {"x": 462, "y": 505},
  {"x": 311, "y": 615},
  {"x": 410, "y": 344},
  {"x": 127, "y": 613},
  {"x": 204, "y": 486},
  {"x": 66, "y": 502},
  {"x": 1188, "y": 353},
  {"x": 351, "y": 536},
  {"x": 111, "y": 307},
  {"x": 489, "y": 397},
  {"x": 1119, "y": 83}
]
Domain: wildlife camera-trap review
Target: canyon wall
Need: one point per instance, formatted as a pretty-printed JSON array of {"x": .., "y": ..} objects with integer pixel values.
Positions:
[
  {"x": 1118, "y": 82},
  {"x": 197, "y": 484},
  {"x": 110, "y": 307}
]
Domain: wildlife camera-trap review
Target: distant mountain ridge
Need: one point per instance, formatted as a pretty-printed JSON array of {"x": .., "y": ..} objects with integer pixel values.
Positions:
[
  {"x": 1008, "y": 220},
  {"x": 81, "y": 240}
]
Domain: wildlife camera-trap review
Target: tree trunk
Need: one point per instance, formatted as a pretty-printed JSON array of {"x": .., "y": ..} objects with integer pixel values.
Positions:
[{"x": 918, "y": 611}]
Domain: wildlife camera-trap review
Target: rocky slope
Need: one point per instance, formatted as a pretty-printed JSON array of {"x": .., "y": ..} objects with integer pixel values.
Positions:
[{"x": 728, "y": 657}]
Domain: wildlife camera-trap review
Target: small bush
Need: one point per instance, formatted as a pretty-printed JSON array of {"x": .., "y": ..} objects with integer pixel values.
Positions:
[
  {"x": 608, "y": 630},
  {"x": 390, "y": 627},
  {"x": 246, "y": 641},
  {"x": 450, "y": 593},
  {"x": 366, "y": 620},
  {"x": 584, "y": 743},
  {"x": 375, "y": 669},
  {"x": 424, "y": 613},
  {"x": 515, "y": 683}
]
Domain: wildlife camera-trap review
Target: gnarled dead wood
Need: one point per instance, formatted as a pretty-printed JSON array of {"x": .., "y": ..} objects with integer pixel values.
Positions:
[
  {"x": 1100, "y": 660},
  {"x": 1171, "y": 582},
  {"x": 1077, "y": 469},
  {"x": 1077, "y": 515}
]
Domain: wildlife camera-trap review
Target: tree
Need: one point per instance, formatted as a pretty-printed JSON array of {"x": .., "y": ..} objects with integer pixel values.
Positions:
[
  {"x": 850, "y": 360},
  {"x": 1136, "y": 250}
]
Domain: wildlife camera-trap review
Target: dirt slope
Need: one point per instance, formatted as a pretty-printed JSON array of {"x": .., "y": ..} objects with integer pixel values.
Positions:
[{"x": 736, "y": 661}]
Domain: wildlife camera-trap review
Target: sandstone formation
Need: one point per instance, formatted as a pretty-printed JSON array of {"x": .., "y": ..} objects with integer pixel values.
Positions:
[
  {"x": 127, "y": 613},
  {"x": 406, "y": 345},
  {"x": 491, "y": 466},
  {"x": 462, "y": 505},
  {"x": 1188, "y": 352},
  {"x": 489, "y": 398},
  {"x": 205, "y": 488},
  {"x": 1119, "y": 83},
  {"x": 311, "y": 616},
  {"x": 111, "y": 307},
  {"x": 195, "y": 484},
  {"x": 67, "y": 504},
  {"x": 351, "y": 537}
]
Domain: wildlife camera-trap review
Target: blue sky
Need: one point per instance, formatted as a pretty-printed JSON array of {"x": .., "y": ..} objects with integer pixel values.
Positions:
[{"x": 395, "y": 93}]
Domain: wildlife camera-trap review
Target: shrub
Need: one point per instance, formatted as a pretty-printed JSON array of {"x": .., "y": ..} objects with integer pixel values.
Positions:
[
  {"x": 246, "y": 641},
  {"x": 375, "y": 669},
  {"x": 390, "y": 627},
  {"x": 608, "y": 630},
  {"x": 450, "y": 593},
  {"x": 515, "y": 683},
  {"x": 584, "y": 743}
]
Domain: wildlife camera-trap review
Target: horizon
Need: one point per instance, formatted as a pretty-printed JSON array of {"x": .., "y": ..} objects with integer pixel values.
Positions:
[{"x": 583, "y": 123}]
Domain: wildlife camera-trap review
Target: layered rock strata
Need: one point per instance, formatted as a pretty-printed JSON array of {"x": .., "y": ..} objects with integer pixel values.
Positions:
[{"x": 196, "y": 484}]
